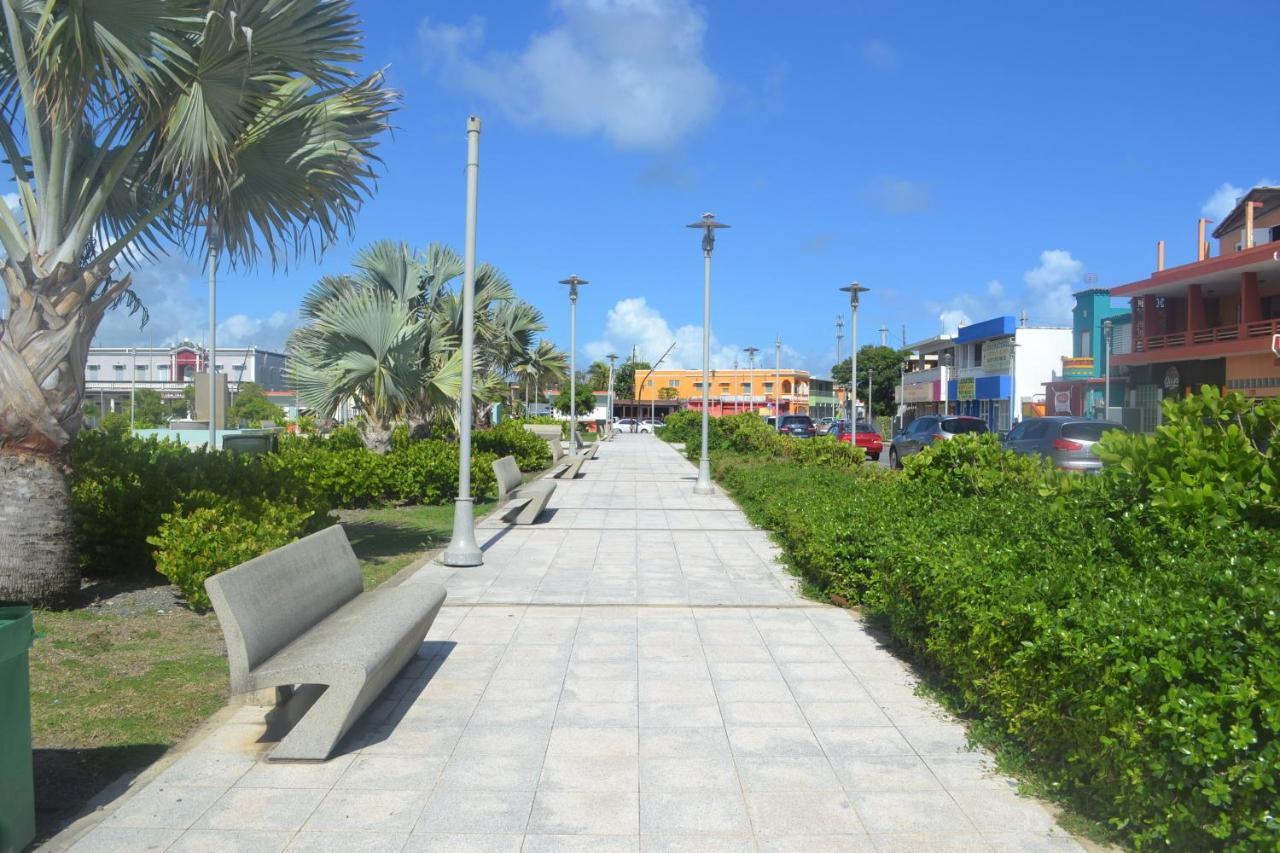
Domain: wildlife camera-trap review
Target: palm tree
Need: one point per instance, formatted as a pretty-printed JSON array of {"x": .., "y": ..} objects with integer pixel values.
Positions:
[
  {"x": 545, "y": 364},
  {"x": 598, "y": 376},
  {"x": 131, "y": 126}
]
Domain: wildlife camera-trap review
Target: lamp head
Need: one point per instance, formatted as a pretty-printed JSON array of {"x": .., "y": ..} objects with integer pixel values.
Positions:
[
  {"x": 709, "y": 225},
  {"x": 573, "y": 281},
  {"x": 854, "y": 290}
]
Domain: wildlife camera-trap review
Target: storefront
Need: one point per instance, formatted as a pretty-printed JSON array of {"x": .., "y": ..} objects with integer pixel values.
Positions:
[{"x": 985, "y": 397}]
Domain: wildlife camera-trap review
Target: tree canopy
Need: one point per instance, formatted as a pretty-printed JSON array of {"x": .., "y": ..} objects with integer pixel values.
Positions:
[
  {"x": 252, "y": 406},
  {"x": 884, "y": 366}
]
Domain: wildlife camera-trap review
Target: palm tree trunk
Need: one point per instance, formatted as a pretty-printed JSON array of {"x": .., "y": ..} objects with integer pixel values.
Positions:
[{"x": 44, "y": 344}]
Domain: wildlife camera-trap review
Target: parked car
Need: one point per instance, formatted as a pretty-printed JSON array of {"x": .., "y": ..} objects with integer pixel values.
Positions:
[
  {"x": 626, "y": 425},
  {"x": 924, "y": 431},
  {"x": 862, "y": 435},
  {"x": 799, "y": 426},
  {"x": 825, "y": 425},
  {"x": 1067, "y": 441},
  {"x": 648, "y": 425}
]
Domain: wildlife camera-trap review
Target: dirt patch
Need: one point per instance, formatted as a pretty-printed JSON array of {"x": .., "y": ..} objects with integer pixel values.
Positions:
[{"x": 117, "y": 597}]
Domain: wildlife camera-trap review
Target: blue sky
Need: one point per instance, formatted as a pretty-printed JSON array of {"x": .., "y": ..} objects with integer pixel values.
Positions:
[{"x": 961, "y": 160}]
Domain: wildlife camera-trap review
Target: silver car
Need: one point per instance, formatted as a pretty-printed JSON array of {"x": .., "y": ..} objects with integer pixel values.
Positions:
[
  {"x": 924, "y": 431},
  {"x": 1066, "y": 441}
]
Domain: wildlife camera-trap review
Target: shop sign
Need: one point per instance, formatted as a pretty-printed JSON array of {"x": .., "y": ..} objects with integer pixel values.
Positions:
[
  {"x": 920, "y": 392},
  {"x": 967, "y": 389},
  {"x": 1062, "y": 402},
  {"x": 1077, "y": 368},
  {"x": 997, "y": 355},
  {"x": 1172, "y": 380}
]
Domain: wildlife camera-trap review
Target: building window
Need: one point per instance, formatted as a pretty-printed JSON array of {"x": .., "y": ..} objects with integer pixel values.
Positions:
[
  {"x": 93, "y": 368},
  {"x": 746, "y": 387},
  {"x": 768, "y": 387},
  {"x": 1085, "y": 341},
  {"x": 673, "y": 383}
]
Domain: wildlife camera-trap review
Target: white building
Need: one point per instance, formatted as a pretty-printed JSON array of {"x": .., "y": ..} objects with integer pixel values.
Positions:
[
  {"x": 113, "y": 373},
  {"x": 1001, "y": 367},
  {"x": 924, "y": 383}
]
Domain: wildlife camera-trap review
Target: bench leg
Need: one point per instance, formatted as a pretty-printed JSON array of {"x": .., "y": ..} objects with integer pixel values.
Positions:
[
  {"x": 530, "y": 513},
  {"x": 315, "y": 735}
]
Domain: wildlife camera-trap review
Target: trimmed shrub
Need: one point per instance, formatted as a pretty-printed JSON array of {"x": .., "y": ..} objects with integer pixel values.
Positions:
[
  {"x": 211, "y": 533},
  {"x": 510, "y": 438}
]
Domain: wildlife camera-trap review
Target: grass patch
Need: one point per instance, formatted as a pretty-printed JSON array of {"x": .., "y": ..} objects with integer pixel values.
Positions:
[{"x": 110, "y": 693}]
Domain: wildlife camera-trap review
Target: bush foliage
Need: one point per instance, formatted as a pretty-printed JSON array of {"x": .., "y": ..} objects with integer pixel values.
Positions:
[{"x": 1120, "y": 629}]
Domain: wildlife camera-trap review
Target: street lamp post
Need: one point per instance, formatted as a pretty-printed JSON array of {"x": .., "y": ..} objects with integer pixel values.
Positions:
[
  {"x": 215, "y": 237},
  {"x": 573, "y": 282},
  {"x": 1107, "y": 327},
  {"x": 870, "y": 374},
  {"x": 613, "y": 358},
  {"x": 854, "y": 290},
  {"x": 751, "y": 375},
  {"x": 839, "y": 338},
  {"x": 463, "y": 549},
  {"x": 777, "y": 384},
  {"x": 133, "y": 385},
  {"x": 708, "y": 225}
]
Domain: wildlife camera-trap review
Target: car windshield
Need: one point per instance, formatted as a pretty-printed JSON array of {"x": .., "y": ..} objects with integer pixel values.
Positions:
[
  {"x": 957, "y": 426},
  {"x": 796, "y": 420},
  {"x": 1088, "y": 430},
  {"x": 866, "y": 427}
]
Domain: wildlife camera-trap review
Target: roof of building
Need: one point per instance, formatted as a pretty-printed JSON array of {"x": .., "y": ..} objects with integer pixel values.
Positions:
[{"x": 1269, "y": 198}]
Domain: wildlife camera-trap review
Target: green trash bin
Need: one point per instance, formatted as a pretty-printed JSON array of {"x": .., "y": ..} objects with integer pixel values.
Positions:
[{"x": 17, "y": 799}]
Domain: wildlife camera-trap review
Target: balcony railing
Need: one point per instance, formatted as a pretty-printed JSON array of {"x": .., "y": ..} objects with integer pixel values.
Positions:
[{"x": 1203, "y": 337}]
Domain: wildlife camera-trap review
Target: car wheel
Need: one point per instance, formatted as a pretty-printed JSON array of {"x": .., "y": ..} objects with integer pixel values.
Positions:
[
  {"x": 894, "y": 461},
  {"x": 875, "y": 457}
]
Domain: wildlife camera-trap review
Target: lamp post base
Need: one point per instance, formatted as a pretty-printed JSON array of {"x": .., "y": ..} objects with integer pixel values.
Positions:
[
  {"x": 703, "y": 486},
  {"x": 463, "y": 550}
]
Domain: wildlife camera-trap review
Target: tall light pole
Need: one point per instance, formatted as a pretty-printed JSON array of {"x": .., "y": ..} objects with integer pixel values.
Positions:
[
  {"x": 613, "y": 358},
  {"x": 214, "y": 233},
  {"x": 839, "y": 338},
  {"x": 463, "y": 549},
  {"x": 870, "y": 415},
  {"x": 573, "y": 282},
  {"x": 708, "y": 225},
  {"x": 1107, "y": 326},
  {"x": 751, "y": 374},
  {"x": 854, "y": 290},
  {"x": 133, "y": 385},
  {"x": 777, "y": 383}
]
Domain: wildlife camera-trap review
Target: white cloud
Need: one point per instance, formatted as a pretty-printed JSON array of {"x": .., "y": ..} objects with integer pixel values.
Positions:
[
  {"x": 995, "y": 289},
  {"x": 880, "y": 55},
  {"x": 174, "y": 293},
  {"x": 1219, "y": 205},
  {"x": 632, "y": 70},
  {"x": 633, "y": 322},
  {"x": 897, "y": 196},
  {"x": 965, "y": 306},
  {"x": 952, "y": 319},
  {"x": 1050, "y": 284},
  {"x": 12, "y": 201}
]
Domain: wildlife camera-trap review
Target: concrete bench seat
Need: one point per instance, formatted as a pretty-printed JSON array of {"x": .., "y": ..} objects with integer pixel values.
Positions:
[
  {"x": 572, "y": 465},
  {"x": 524, "y": 502},
  {"x": 551, "y": 434},
  {"x": 296, "y": 617}
]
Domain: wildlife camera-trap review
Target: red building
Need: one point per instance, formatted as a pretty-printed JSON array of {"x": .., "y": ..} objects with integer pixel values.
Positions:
[{"x": 1210, "y": 322}]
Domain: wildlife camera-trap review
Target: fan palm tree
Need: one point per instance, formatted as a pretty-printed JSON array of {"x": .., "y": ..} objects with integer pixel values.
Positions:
[
  {"x": 598, "y": 376},
  {"x": 545, "y": 364},
  {"x": 127, "y": 127}
]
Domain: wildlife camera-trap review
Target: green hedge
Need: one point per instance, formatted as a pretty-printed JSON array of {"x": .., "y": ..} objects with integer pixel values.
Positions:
[
  {"x": 510, "y": 438},
  {"x": 1120, "y": 629}
]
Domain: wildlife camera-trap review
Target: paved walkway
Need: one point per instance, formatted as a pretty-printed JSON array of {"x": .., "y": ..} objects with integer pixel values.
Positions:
[{"x": 635, "y": 673}]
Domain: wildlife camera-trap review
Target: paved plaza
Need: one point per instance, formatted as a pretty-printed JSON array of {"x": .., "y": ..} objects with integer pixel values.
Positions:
[{"x": 635, "y": 672}]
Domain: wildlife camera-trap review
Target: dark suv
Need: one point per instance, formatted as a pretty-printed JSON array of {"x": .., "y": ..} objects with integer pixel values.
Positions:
[
  {"x": 800, "y": 426},
  {"x": 926, "y": 430}
]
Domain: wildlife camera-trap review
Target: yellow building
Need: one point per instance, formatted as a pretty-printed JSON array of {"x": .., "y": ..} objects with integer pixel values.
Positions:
[{"x": 731, "y": 390}]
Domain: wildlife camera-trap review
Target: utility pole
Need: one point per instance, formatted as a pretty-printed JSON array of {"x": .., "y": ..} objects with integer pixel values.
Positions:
[
  {"x": 751, "y": 375},
  {"x": 777, "y": 383}
]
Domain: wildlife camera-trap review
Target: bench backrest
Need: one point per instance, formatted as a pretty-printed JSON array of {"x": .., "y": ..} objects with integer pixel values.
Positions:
[
  {"x": 508, "y": 474},
  {"x": 551, "y": 433},
  {"x": 266, "y": 603}
]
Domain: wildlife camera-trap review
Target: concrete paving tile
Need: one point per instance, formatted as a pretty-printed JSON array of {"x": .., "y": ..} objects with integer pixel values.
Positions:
[
  {"x": 884, "y": 773},
  {"x": 592, "y": 714},
  {"x": 205, "y": 769},
  {"x": 517, "y": 772},
  {"x": 590, "y": 773},
  {"x": 349, "y": 810},
  {"x": 799, "y": 812},
  {"x": 164, "y": 807},
  {"x": 863, "y": 740},
  {"x": 999, "y": 811},
  {"x": 581, "y": 844},
  {"x": 438, "y": 842},
  {"x": 909, "y": 811},
  {"x": 684, "y": 742},
  {"x": 787, "y": 773},
  {"x": 592, "y": 741},
  {"x": 495, "y": 713},
  {"x": 502, "y": 740},
  {"x": 601, "y": 690},
  {"x": 1032, "y": 842},
  {"x": 710, "y": 812},
  {"x": 846, "y": 843},
  {"x": 343, "y": 842},
  {"x": 230, "y": 841},
  {"x": 677, "y": 692},
  {"x": 393, "y": 772},
  {"x": 120, "y": 839},
  {"x": 842, "y": 714},
  {"x": 669, "y": 774},
  {"x": 768, "y": 690},
  {"x": 585, "y": 813},
  {"x": 462, "y": 811},
  {"x": 697, "y": 844},
  {"x": 943, "y": 842},
  {"x": 410, "y": 738},
  {"x": 270, "y": 809},
  {"x": 766, "y": 741},
  {"x": 678, "y": 714},
  {"x": 762, "y": 714},
  {"x": 942, "y": 739},
  {"x": 318, "y": 774},
  {"x": 969, "y": 770}
]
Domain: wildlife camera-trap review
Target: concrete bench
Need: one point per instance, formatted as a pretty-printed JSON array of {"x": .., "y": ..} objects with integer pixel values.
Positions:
[
  {"x": 296, "y": 617},
  {"x": 525, "y": 502},
  {"x": 551, "y": 434}
]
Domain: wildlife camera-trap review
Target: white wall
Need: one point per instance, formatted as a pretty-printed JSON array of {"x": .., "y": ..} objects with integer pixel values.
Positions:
[{"x": 1038, "y": 358}]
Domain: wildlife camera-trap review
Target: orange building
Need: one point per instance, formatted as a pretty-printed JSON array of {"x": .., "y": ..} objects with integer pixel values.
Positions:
[
  {"x": 1210, "y": 322},
  {"x": 731, "y": 390}
]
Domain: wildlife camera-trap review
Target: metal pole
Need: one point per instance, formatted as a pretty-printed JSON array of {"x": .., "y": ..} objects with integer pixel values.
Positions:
[
  {"x": 703, "y": 486},
  {"x": 612, "y": 360},
  {"x": 133, "y": 386},
  {"x": 870, "y": 414},
  {"x": 573, "y": 369},
  {"x": 777, "y": 384},
  {"x": 853, "y": 360},
  {"x": 214, "y": 238},
  {"x": 463, "y": 550}
]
